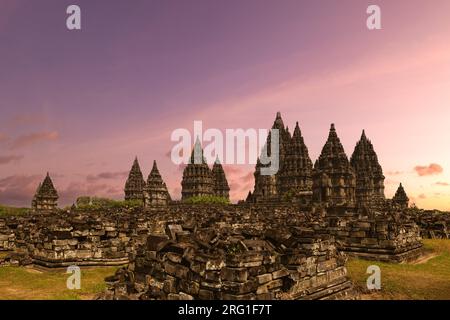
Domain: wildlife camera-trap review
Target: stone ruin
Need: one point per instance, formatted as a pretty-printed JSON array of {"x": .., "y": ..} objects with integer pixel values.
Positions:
[
  {"x": 199, "y": 180},
  {"x": 151, "y": 193},
  {"x": 59, "y": 239},
  {"x": 155, "y": 191},
  {"x": 234, "y": 253},
  {"x": 391, "y": 238},
  {"x": 288, "y": 240},
  {"x": 334, "y": 180},
  {"x": 433, "y": 224},
  {"x": 46, "y": 196}
]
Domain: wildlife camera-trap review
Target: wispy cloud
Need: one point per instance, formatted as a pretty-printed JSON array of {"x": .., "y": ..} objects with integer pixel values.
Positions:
[
  {"x": 18, "y": 189},
  {"x": 393, "y": 173},
  {"x": 442, "y": 184},
  {"x": 29, "y": 119},
  {"x": 429, "y": 170},
  {"x": 33, "y": 138},
  {"x": 9, "y": 159},
  {"x": 107, "y": 176},
  {"x": 77, "y": 189}
]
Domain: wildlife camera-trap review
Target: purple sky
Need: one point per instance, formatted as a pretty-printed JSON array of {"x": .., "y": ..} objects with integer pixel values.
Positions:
[{"x": 82, "y": 104}]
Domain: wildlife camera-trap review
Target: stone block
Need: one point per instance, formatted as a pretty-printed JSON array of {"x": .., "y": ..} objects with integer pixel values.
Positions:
[
  {"x": 234, "y": 274},
  {"x": 264, "y": 278},
  {"x": 280, "y": 273}
]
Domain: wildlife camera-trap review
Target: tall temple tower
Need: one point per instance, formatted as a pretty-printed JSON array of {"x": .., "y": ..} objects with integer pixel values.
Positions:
[
  {"x": 400, "y": 198},
  {"x": 197, "y": 177},
  {"x": 334, "y": 180},
  {"x": 155, "y": 191},
  {"x": 46, "y": 197},
  {"x": 134, "y": 187},
  {"x": 267, "y": 187},
  {"x": 295, "y": 177},
  {"x": 369, "y": 174},
  {"x": 221, "y": 188}
]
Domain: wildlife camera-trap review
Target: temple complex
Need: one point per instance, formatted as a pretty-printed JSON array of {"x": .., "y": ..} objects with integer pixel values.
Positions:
[
  {"x": 369, "y": 174},
  {"x": 333, "y": 177},
  {"x": 289, "y": 240},
  {"x": 197, "y": 177},
  {"x": 221, "y": 187},
  {"x": 155, "y": 191},
  {"x": 265, "y": 185},
  {"x": 294, "y": 174},
  {"x": 134, "y": 187},
  {"x": 46, "y": 197},
  {"x": 400, "y": 198},
  {"x": 295, "y": 178}
]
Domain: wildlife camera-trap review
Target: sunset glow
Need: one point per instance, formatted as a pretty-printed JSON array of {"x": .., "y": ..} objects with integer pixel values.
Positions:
[{"x": 82, "y": 105}]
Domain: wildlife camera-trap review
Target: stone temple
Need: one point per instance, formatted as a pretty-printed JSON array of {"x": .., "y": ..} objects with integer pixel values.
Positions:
[
  {"x": 135, "y": 185},
  {"x": 369, "y": 174},
  {"x": 400, "y": 198},
  {"x": 332, "y": 181},
  {"x": 46, "y": 197},
  {"x": 155, "y": 191},
  {"x": 151, "y": 193},
  {"x": 221, "y": 187},
  {"x": 294, "y": 176},
  {"x": 333, "y": 176},
  {"x": 199, "y": 180},
  {"x": 290, "y": 239}
]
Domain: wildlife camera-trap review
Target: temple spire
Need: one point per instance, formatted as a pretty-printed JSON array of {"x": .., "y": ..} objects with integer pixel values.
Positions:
[
  {"x": 297, "y": 131},
  {"x": 400, "y": 198},
  {"x": 332, "y": 134},
  {"x": 369, "y": 174},
  {"x": 155, "y": 191},
  {"x": 134, "y": 187},
  {"x": 278, "y": 123},
  {"x": 294, "y": 180},
  {"x": 221, "y": 187},
  {"x": 197, "y": 153},
  {"x": 197, "y": 177},
  {"x": 333, "y": 177},
  {"x": 155, "y": 167},
  {"x": 46, "y": 196}
]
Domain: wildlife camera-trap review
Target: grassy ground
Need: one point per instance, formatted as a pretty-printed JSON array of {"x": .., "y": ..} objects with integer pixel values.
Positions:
[
  {"x": 12, "y": 211},
  {"x": 19, "y": 283},
  {"x": 428, "y": 279}
]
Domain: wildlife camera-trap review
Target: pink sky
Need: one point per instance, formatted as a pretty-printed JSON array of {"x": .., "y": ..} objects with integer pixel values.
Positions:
[{"x": 83, "y": 105}]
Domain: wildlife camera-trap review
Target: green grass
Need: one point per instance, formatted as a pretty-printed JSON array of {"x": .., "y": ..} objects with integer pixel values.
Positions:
[
  {"x": 429, "y": 280},
  {"x": 95, "y": 203},
  {"x": 207, "y": 200},
  {"x": 20, "y": 283},
  {"x": 12, "y": 211}
]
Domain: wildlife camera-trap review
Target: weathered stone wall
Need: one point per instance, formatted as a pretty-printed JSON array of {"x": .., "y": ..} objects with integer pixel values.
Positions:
[
  {"x": 107, "y": 237},
  {"x": 376, "y": 236},
  {"x": 378, "y": 239},
  {"x": 433, "y": 224},
  {"x": 59, "y": 239},
  {"x": 217, "y": 263},
  {"x": 7, "y": 236}
]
